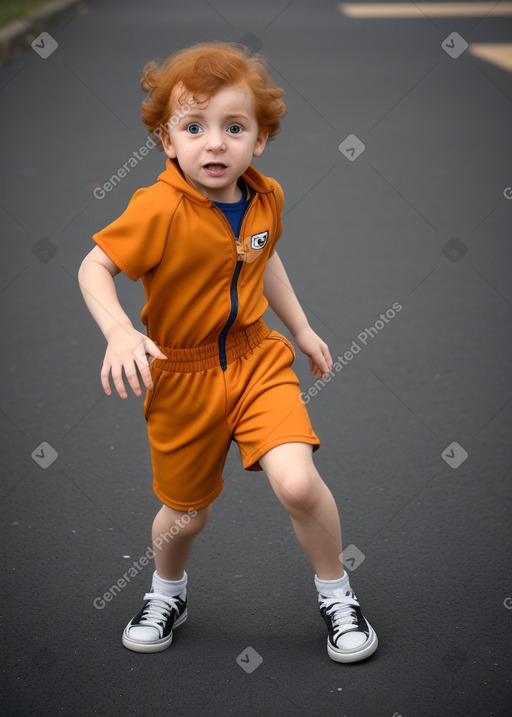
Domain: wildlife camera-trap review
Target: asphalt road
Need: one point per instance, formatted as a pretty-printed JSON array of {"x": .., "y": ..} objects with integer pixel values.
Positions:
[{"x": 415, "y": 427}]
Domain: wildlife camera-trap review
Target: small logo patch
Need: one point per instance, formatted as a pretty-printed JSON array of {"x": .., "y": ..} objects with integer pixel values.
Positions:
[{"x": 258, "y": 241}]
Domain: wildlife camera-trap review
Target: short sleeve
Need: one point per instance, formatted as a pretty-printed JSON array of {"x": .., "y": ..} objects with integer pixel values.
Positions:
[{"x": 135, "y": 242}]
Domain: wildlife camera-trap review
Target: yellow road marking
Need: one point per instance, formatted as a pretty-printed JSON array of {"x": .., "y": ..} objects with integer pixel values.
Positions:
[
  {"x": 423, "y": 9},
  {"x": 498, "y": 54}
]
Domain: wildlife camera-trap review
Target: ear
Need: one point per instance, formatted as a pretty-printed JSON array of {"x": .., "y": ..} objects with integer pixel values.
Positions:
[
  {"x": 261, "y": 143},
  {"x": 167, "y": 145}
]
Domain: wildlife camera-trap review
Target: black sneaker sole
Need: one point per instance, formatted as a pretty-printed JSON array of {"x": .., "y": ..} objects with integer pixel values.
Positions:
[{"x": 157, "y": 645}]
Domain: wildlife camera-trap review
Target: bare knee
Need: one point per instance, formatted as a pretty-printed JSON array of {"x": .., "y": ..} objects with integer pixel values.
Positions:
[
  {"x": 172, "y": 524},
  {"x": 192, "y": 523},
  {"x": 294, "y": 477},
  {"x": 298, "y": 490}
]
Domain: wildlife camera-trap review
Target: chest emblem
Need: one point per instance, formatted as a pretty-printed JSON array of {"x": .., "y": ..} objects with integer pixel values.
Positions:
[
  {"x": 249, "y": 248},
  {"x": 258, "y": 241}
]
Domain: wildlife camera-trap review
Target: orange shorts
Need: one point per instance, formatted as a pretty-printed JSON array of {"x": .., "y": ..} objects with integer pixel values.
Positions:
[{"x": 195, "y": 409}]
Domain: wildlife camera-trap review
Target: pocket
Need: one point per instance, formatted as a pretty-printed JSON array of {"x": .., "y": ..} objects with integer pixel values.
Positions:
[
  {"x": 156, "y": 374},
  {"x": 276, "y": 336}
]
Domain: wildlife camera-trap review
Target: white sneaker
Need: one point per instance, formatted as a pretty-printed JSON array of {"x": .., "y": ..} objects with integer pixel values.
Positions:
[
  {"x": 151, "y": 628},
  {"x": 351, "y": 637}
]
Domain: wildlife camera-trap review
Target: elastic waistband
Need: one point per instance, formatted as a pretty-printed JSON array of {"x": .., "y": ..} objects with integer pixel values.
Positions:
[{"x": 201, "y": 358}]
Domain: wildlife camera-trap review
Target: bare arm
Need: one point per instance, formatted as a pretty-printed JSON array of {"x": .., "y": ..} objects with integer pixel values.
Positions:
[
  {"x": 283, "y": 301},
  {"x": 126, "y": 347}
]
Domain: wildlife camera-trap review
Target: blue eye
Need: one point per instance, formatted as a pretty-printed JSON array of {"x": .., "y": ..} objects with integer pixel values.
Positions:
[
  {"x": 194, "y": 128},
  {"x": 235, "y": 129}
]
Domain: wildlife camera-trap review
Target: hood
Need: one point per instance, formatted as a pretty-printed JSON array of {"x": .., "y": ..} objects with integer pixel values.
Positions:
[{"x": 174, "y": 178}]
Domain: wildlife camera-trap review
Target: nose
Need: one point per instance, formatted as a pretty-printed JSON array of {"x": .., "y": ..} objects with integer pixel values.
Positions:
[{"x": 215, "y": 141}]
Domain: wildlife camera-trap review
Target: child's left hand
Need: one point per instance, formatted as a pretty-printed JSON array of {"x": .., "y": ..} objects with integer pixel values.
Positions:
[{"x": 320, "y": 361}]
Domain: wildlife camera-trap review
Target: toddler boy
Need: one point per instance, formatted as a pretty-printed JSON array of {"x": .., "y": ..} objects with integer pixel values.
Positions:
[{"x": 203, "y": 241}]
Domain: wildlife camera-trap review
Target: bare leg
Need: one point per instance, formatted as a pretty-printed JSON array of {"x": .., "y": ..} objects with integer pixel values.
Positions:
[
  {"x": 310, "y": 504},
  {"x": 174, "y": 533}
]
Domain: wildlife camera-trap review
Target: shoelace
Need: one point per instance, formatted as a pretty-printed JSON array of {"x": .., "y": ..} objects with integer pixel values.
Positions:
[
  {"x": 340, "y": 610},
  {"x": 158, "y": 609}
]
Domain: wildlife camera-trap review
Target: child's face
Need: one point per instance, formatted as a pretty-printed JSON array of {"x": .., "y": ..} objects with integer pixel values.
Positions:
[{"x": 214, "y": 143}]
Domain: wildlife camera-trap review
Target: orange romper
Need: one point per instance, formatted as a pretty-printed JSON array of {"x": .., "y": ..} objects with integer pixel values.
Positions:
[{"x": 227, "y": 375}]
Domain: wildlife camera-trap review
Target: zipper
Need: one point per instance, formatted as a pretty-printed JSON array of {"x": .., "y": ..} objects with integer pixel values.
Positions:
[
  {"x": 233, "y": 291},
  {"x": 233, "y": 294}
]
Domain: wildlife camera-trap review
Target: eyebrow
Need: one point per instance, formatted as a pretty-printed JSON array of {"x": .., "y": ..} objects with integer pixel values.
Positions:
[
  {"x": 196, "y": 116},
  {"x": 188, "y": 117},
  {"x": 237, "y": 115}
]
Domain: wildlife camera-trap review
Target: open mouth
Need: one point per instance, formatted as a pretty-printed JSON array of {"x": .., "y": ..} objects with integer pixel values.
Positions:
[{"x": 215, "y": 169}]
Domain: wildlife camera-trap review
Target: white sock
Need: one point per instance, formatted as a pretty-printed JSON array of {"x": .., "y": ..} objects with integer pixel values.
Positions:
[
  {"x": 172, "y": 588},
  {"x": 329, "y": 588}
]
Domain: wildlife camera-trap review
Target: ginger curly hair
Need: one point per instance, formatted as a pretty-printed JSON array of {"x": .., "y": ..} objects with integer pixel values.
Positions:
[{"x": 202, "y": 70}]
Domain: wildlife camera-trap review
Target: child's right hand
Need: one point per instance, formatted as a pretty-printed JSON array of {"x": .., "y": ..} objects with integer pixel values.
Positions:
[{"x": 126, "y": 351}]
